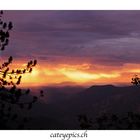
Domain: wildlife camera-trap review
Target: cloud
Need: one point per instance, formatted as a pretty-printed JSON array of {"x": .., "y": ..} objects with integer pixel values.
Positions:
[{"x": 104, "y": 37}]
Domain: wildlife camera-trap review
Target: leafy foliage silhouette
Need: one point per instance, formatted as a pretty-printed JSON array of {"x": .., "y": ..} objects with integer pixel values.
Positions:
[
  {"x": 11, "y": 96},
  {"x": 129, "y": 121},
  {"x": 135, "y": 80}
]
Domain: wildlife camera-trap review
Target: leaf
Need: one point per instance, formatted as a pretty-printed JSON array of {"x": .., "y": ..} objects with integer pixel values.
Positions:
[
  {"x": 10, "y": 25},
  {"x": 7, "y": 34},
  {"x": 2, "y": 48},
  {"x": 1, "y": 12},
  {"x": 35, "y": 62},
  {"x": 19, "y": 79},
  {"x": 4, "y": 25},
  {"x": 30, "y": 70},
  {"x": 24, "y": 70},
  {"x": 10, "y": 59}
]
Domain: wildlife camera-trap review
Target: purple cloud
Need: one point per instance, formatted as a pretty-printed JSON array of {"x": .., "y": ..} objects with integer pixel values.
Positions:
[{"x": 105, "y": 37}]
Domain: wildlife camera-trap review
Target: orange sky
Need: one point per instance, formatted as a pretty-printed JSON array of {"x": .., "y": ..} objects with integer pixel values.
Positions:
[
  {"x": 75, "y": 47},
  {"x": 80, "y": 74}
]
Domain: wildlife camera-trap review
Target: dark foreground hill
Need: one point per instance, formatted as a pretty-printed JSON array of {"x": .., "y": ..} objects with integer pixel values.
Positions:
[
  {"x": 68, "y": 110},
  {"x": 92, "y": 102}
]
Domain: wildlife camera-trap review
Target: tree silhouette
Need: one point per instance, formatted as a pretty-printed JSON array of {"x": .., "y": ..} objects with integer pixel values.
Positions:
[
  {"x": 135, "y": 80},
  {"x": 10, "y": 95},
  {"x": 128, "y": 121}
]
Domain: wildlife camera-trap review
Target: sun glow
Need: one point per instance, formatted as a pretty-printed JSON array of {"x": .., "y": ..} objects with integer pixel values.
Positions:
[
  {"x": 80, "y": 76},
  {"x": 84, "y": 73},
  {"x": 35, "y": 72}
]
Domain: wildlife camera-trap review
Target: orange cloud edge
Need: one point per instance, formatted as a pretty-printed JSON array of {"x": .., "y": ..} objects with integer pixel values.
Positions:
[{"x": 84, "y": 74}]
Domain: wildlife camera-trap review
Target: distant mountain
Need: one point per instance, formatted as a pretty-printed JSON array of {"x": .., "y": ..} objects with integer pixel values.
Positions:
[
  {"x": 64, "y": 84},
  {"x": 62, "y": 105},
  {"x": 55, "y": 94},
  {"x": 108, "y": 98},
  {"x": 93, "y": 101}
]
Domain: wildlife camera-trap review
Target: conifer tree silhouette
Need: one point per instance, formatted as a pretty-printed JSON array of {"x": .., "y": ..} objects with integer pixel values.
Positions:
[{"x": 10, "y": 94}]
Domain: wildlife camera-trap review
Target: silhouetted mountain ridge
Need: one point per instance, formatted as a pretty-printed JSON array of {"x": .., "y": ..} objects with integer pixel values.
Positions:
[{"x": 93, "y": 101}]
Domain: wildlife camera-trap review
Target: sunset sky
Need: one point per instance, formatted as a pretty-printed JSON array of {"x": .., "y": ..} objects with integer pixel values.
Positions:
[{"x": 76, "y": 47}]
